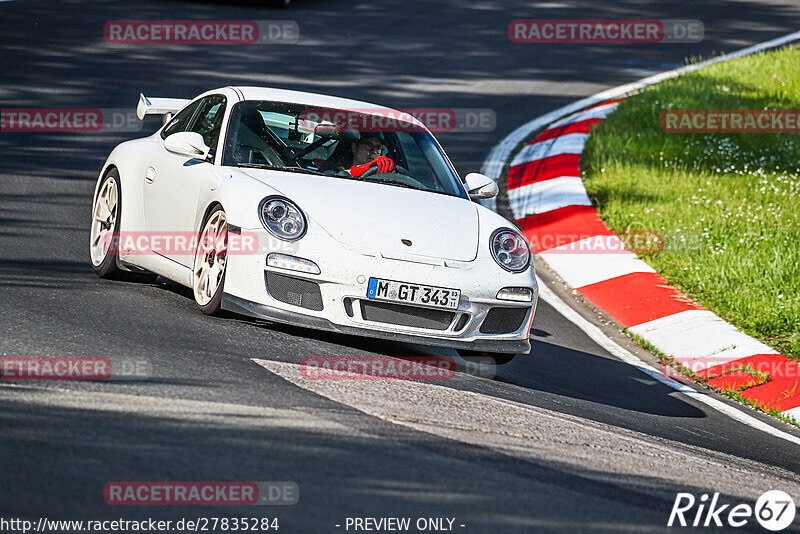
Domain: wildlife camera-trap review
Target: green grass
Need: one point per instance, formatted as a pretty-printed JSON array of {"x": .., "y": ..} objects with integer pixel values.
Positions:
[{"x": 728, "y": 205}]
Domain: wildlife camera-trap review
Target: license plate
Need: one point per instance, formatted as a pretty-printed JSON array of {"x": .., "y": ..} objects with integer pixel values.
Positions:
[{"x": 435, "y": 297}]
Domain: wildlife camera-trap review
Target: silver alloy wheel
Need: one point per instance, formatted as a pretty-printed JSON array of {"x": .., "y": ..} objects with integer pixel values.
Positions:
[
  {"x": 210, "y": 257},
  {"x": 104, "y": 220}
]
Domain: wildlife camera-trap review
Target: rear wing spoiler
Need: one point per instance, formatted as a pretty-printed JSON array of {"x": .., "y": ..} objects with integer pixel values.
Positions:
[{"x": 159, "y": 106}]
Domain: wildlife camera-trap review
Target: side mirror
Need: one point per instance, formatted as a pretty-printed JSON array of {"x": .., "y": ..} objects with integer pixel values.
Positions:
[
  {"x": 189, "y": 144},
  {"x": 480, "y": 186}
]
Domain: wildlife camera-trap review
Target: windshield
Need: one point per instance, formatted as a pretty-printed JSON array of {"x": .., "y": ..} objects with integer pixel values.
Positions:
[{"x": 330, "y": 142}]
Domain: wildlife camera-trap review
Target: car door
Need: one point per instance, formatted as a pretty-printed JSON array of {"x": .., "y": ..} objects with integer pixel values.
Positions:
[{"x": 173, "y": 183}]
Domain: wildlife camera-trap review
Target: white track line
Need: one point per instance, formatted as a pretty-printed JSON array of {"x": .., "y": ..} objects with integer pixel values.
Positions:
[{"x": 623, "y": 354}]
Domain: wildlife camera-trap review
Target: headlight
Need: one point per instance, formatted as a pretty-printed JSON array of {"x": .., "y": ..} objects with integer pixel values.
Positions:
[
  {"x": 282, "y": 218},
  {"x": 510, "y": 250}
]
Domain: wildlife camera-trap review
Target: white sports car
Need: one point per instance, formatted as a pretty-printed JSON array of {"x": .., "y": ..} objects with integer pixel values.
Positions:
[{"x": 258, "y": 200}]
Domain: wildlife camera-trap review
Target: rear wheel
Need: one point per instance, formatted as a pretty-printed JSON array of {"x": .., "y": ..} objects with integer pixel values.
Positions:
[
  {"x": 104, "y": 233},
  {"x": 210, "y": 261},
  {"x": 494, "y": 358}
]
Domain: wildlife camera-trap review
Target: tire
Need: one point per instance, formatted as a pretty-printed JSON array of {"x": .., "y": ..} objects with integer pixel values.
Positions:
[
  {"x": 104, "y": 228},
  {"x": 210, "y": 262},
  {"x": 494, "y": 358}
]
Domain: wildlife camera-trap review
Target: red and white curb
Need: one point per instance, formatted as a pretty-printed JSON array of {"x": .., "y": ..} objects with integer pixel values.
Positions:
[{"x": 549, "y": 202}]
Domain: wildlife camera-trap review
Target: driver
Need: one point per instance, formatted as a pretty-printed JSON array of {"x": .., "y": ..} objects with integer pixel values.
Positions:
[{"x": 366, "y": 153}]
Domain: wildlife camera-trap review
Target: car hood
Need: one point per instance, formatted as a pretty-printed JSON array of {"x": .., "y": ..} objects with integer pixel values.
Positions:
[{"x": 376, "y": 218}]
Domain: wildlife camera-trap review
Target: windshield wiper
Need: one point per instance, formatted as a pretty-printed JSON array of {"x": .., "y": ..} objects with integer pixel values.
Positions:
[
  {"x": 392, "y": 182},
  {"x": 280, "y": 168}
]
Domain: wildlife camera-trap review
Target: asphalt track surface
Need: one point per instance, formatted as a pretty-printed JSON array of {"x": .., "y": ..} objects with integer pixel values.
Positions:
[{"x": 567, "y": 439}]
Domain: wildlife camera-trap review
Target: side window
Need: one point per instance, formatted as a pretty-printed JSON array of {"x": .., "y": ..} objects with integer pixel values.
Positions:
[
  {"x": 208, "y": 121},
  {"x": 180, "y": 122}
]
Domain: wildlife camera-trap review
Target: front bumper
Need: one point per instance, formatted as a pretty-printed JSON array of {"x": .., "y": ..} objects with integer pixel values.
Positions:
[
  {"x": 342, "y": 286},
  {"x": 253, "y": 309}
]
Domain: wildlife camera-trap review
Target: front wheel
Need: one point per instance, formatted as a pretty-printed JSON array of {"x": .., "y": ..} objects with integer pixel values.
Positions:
[
  {"x": 104, "y": 233},
  {"x": 494, "y": 358},
  {"x": 210, "y": 261}
]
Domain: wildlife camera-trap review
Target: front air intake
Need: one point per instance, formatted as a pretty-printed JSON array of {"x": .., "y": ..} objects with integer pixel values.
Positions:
[
  {"x": 503, "y": 320},
  {"x": 294, "y": 291},
  {"x": 398, "y": 314}
]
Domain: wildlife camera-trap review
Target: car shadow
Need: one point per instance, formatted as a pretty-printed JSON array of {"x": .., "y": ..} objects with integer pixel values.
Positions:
[{"x": 551, "y": 373}]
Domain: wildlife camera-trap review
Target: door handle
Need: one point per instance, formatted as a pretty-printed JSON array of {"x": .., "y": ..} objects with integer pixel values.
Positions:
[{"x": 150, "y": 175}]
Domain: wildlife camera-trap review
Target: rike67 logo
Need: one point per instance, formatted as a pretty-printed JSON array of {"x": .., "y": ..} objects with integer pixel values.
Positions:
[{"x": 774, "y": 510}]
